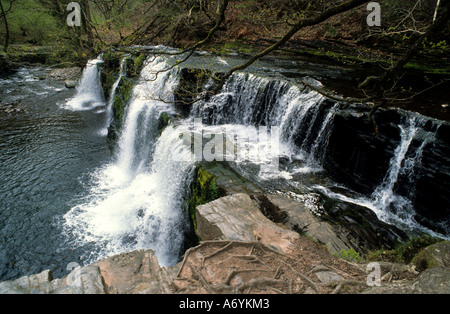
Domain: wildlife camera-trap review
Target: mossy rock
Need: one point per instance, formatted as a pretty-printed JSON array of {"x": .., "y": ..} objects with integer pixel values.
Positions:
[
  {"x": 108, "y": 79},
  {"x": 135, "y": 65},
  {"x": 163, "y": 121},
  {"x": 404, "y": 252},
  {"x": 204, "y": 189},
  {"x": 111, "y": 70},
  {"x": 122, "y": 98},
  {"x": 192, "y": 82},
  {"x": 436, "y": 255}
]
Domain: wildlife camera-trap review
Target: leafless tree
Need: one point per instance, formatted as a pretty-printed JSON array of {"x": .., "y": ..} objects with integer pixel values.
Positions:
[{"x": 4, "y": 12}]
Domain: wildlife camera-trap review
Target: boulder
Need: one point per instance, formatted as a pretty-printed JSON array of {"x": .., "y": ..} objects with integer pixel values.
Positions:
[
  {"x": 431, "y": 281},
  {"x": 136, "y": 272},
  {"x": 299, "y": 218},
  {"x": 436, "y": 255},
  {"x": 70, "y": 83},
  {"x": 6, "y": 66},
  {"x": 82, "y": 280},
  {"x": 237, "y": 217}
]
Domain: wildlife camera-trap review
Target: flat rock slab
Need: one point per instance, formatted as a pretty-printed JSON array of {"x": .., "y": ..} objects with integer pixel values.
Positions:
[
  {"x": 237, "y": 217},
  {"x": 137, "y": 272},
  {"x": 300, "y": 218},
  {"x": 82, "y": 280}
]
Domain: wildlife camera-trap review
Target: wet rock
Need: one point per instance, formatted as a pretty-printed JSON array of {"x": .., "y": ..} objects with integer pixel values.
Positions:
[
  {"x": 359, "y": 156},
  {"x": 355, "y": 228},
  {"x": 72, "y": 73},
  {"x": 6, "y": 66},
  {"x": 191, "y": 85},
  {"x": 229, "y": 180},
  {"x": 70, "y": 83},
  {"x": 360, "y": 226}
]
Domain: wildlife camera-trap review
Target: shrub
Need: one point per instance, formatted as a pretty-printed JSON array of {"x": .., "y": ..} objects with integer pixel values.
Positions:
[{"x": 349, "y": 255}]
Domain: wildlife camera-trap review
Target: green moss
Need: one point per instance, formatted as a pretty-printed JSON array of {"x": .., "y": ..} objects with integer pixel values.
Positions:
[
  {"x": 108, "y": 79},
  {"x": 135, "y": 65},
  {"x": 204, "y": 189},
  {"x": 112, "y": 60},
  {"x": 111, "y": 69},
  {"x": 404, "y": 252},
  {"x": 192, "y": 82},
  {"x": 424, "y": 260},
  {"x": 164, "y": 120},
  {"x": 236, "y": 45},
  {"x": 422, "y": 67},
  {"x": 122, "y": 98}
]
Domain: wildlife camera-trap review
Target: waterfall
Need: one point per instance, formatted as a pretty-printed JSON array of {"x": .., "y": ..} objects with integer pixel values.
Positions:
[
  {"x": 109, "y": 106},
  {"x": 384, "y": 196},
  {"x": 306, "y": 125},
  {"x": 247, "y": 99},
  {"x": 89, "y": 92},
  {"x": 389, "y": 205},
  {"x": 136, "y": 201},
  {"x": 323, "y": 136}
]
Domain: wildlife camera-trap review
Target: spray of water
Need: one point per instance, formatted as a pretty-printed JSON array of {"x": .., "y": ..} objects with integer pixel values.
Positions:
[
  {"x": 136, "y": 201},
  {"x": 89, "y": 92}
]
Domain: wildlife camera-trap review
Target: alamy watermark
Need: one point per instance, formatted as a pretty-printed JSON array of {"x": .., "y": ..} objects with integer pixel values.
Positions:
[
  {"x": 74, "y": 277},
  {"x": 373, "y": 18},
  {"x": 74, "y": 17},
  {"x": 374, "y": 274}
]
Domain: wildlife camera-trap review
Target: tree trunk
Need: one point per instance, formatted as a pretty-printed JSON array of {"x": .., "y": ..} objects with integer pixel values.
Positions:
[
  {"x": 436, "y": 11},
  {"x": 5, "y": 20},
  {"x": 87, "y": 23}
]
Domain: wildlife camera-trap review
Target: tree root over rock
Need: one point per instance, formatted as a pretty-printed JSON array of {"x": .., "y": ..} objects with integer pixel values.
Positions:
[{"x": 252, "y": 267}]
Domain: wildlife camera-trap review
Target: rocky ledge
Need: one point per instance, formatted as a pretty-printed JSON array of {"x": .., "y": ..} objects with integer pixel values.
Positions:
[
  {"x": 243, "y": 251},
  {"x": 6, "y": 66}
]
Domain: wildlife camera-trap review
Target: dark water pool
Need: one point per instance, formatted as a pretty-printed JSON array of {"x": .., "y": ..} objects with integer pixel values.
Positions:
[{"x": 46, "y": 155}]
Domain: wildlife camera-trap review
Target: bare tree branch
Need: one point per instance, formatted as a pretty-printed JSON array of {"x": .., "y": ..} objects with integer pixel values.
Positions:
[{"x": 336, "y": 9}]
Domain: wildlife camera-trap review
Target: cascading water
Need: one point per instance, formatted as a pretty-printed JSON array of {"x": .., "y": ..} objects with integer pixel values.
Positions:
[
  {"x": 322, "y": 138},
  {"x": 387, "y": 203},
  {"x": 109, "y": 106},
  {"x": 136, "y": 202},
  {"x": 250, "y": 100},
  {"x": 59, "y": 174},
  {"x": 89, "y": 93}
]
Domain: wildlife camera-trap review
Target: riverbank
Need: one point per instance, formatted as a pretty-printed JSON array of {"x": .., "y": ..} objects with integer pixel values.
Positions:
[
  {"x": 278, "y": 223},
  {"x": 26, "y": 55},
  {"x": 258, "y": 256}
]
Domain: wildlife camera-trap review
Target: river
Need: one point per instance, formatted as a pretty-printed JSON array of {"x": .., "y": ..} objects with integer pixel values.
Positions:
[{"x": 66, "y": 198}]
